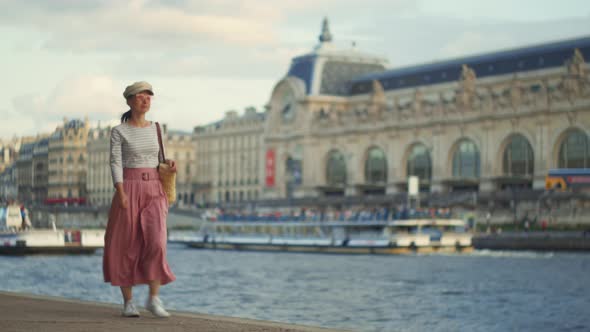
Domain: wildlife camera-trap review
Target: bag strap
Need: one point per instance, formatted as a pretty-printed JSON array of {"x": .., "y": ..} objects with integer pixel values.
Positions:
[{"x": 160, "y": 143}]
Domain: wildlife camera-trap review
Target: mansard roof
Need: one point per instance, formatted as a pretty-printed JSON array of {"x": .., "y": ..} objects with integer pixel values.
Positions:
[{"x": 529, "y": 58}]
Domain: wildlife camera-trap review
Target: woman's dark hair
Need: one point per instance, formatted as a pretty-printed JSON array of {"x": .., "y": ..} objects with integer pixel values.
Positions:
[{"x": 126, "y": 116}]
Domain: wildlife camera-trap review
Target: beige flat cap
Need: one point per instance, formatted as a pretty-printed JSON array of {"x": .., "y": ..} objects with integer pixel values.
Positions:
[{"x": 136, "y": 88}]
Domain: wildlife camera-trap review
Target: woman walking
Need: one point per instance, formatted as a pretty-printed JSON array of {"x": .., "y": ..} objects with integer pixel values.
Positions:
[{"x": 135, "y": 238}]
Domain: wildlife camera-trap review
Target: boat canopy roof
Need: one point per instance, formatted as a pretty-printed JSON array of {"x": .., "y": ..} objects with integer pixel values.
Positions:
[
  {"x": 401, "y": 223},
  {"x": 429, "y": 222}
]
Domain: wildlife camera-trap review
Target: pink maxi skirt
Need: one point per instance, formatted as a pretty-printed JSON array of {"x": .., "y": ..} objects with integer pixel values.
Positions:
[{"x": 135, "y": 238}]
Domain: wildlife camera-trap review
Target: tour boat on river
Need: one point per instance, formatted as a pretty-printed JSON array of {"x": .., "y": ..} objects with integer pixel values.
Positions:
[
  {"x": 346, "y": 237},
  {"x": 47, "y": 241},
  {"x": 19, "y": 238}
]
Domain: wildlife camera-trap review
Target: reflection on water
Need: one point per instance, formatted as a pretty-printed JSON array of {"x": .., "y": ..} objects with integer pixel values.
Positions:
[{"x": 483, "y": 291}]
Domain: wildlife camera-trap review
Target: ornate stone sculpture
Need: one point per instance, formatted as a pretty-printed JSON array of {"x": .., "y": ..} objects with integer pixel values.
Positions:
[
  {"x": 542, "y": 98},
  {"x": 577, "y": 65},
  {"x": 377, "y": 101},
  {"x": 576, "y": 79},
  {"x": 466, "y": 91},
  {"x": 515, "y": 94},
  {"x": 417, "y": 103}
]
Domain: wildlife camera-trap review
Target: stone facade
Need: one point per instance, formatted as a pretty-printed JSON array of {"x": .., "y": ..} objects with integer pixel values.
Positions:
[
  {"x": 40, "y": 163},
  {"x": 68, "y": 160},
  {"x": 8, "y": 152},
  {"x": 180, "y": 147},
  {"x": 471, "y": 133},
  {"x": 24, "y": 166},
  {"x": 229, "y": 158},
  {"x": 8, "y": 183},
  {"x": 99, "y": 183},
  {"x": 8, "y": 172}
]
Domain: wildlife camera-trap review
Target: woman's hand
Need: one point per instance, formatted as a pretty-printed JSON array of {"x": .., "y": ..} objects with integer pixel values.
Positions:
[
  {"x": 121, "y": 195},
  {"x": 123, "y": 201},
  {"x": 172, "y": 165}
]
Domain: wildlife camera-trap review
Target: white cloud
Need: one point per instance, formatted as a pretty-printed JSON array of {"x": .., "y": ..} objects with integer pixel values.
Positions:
[
  {"x": 125, "y": 26},
  {"x": 16, "y": 124},
  {"x": 179, "y": 102},
  {"x": 149, "y": 26},
  {"x": 97, "y": 97},
  {"x": 184, "y": 103},
  {"x": 505, "y": 10},
  {"x": 469, "y": 41}
]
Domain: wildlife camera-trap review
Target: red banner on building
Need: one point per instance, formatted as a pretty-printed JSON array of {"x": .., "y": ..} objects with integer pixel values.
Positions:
[{"x": 270, "y": 168}]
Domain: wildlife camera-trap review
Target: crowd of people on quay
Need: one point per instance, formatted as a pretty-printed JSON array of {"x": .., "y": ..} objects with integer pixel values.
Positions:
[{"x": 314, "y": 214}]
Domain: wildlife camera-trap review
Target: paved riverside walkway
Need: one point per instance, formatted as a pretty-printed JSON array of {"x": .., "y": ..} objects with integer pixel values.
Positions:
[{"x": 25, "y": 312}]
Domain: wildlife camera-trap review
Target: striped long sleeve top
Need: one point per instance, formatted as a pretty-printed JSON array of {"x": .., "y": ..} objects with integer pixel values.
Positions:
[{"x": 133, "y": 147}]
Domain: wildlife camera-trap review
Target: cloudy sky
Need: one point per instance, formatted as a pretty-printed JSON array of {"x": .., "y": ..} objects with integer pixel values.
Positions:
[{"x": 73, "y": 58}]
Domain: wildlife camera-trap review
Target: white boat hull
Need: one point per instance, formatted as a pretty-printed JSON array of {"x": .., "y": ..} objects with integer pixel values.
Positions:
[
  {"x": 391, "y": 250},
  {"x": 405, "y": 236},
  {"x": 51, "y": 242}
]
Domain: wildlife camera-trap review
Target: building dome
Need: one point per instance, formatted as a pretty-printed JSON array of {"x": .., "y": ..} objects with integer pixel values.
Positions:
[{"x": 328, "y": 70}]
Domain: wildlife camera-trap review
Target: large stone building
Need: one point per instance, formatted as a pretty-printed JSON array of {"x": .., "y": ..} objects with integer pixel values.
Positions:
[
  {"x": 24, "y": 167},
  {"x": 340, "y": 124},
  {"x": 8, "y": 152},
  {"x": 99, "y": 183},
  {"x": 67, "y": 161},
  {"x": 180, "y": 147},
  {"x": 229, "y": 158},
  {"x": 40, "y": 163},
  {"x": 8, "y": 183},
  {"x": 8, "y": 173},
  {"x": 24, "y": 173}
]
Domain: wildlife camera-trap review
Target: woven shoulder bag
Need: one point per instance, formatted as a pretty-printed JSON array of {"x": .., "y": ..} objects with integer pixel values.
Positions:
[{"x": 167, "y": 176}]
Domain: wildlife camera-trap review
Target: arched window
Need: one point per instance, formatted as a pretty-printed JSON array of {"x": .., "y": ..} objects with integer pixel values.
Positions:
[
  {"x": 419, "y": 163},
  {"x": 466, "y": 160},
  {"x": 574, "y": 151},
  {"x": 293, "y": 171},
  {"x": 336, "y": 168},
  {"x": 518, "y": 157},
  {"x": 376, "y": 166}
]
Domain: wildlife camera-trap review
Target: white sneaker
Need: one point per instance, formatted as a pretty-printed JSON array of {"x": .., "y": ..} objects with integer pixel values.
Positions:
[
  {"x": 129, "y": 310},
  {"x": 155, "y": 306}
]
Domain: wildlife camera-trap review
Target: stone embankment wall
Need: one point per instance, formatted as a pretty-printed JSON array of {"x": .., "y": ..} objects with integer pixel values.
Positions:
[
  {"x": 561, "y": 241},
  {"x": 90, "y": 217},
  {"x": 567, "y": 212},
  {"x": 562, "y": 213}
]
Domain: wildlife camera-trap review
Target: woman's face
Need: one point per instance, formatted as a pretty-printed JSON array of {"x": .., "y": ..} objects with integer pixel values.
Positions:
[{"x": 141, "y": 102}]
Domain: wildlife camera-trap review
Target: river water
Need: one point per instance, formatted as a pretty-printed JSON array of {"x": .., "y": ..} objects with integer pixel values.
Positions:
[{"x": 482, "y": 291}]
